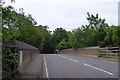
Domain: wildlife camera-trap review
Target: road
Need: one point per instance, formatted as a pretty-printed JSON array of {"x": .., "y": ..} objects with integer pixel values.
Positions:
[{"x": 72, "y": 66}]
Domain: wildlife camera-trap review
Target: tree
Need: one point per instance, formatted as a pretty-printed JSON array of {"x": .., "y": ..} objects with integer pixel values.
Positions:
[
  {"x": 9, "y": 34},
  {"x": 95, "y": 31},
  {"x": 26, "y": 25},
  {"x": 72, "y": 40},
  {"x": 113, "y": 36},
  {"x": 79, "y": 36},
  {"x": 95, "y": 21},
  {"x": 100, "y": 36},
  {"x": 48, "y": 46},
  {"x": 63, "y": 45},
  {"x": 58, "y": 35}
]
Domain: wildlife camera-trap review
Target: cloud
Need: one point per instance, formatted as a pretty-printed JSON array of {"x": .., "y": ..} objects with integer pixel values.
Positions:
[{"x": 68, "y": 14}]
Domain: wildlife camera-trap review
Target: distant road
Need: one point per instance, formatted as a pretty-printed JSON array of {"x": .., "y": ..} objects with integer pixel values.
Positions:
[{"x": 72, "y": 66}]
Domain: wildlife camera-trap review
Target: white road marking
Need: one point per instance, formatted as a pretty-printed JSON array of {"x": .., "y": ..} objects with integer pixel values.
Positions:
[
  {"x": 88, "y": 65},
  {"x": 45, "y": 67},
  {"x": 64, "y": 57},
  {"x": 61, "y": 56},
  {"x": 73, "y": 60},
  {"x": 68, "y": 58},
  {"x": 98, "y": 69},
  {"x": 57, "y": 55}
]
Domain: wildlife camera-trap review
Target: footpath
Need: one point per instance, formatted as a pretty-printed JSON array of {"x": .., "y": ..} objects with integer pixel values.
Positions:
[{"x": 34, "y": 69}]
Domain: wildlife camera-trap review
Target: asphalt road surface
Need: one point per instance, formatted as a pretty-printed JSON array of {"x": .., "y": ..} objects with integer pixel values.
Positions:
[{"x": 72, "y": 66}]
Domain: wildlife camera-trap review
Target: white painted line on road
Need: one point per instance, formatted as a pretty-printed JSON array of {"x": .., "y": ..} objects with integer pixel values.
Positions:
[
  {"x": 64, "y": 57},
  {"x": 68, "y": 58},
  {"x": 57, "y": 55},
  {"x": 61, "y": 56},
  {"x": 45, "y": 67},
  {"x": 98, "y": 69},
  {"x": 73, "y": 60}
]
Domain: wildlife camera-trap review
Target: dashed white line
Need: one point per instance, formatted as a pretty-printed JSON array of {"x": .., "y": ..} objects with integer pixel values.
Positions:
[
  {"x": 61, "y": 56},
  {"x": 88, "y": 65},
  {"x": 57, "y": 54},
  {"x": 64, "y": 57},
  {"x": 98, "y": 69},
  {"x": 73, "y": 60},
  {"x": 45, "y": 67},
  {"x": 68, "y": 58}
]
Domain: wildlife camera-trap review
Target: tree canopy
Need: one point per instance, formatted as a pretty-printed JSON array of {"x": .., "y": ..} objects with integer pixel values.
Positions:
[{"x": 17, "y": 25}]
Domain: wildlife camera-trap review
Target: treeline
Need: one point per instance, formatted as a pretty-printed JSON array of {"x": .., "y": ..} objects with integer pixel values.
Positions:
[{"x": 18, "y": 25}]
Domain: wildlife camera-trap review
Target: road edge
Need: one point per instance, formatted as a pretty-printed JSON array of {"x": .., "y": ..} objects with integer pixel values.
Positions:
[{"x": 45, "y": 69}]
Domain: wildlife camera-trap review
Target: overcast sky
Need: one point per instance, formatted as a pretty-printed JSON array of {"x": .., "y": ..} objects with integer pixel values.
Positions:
[{"x": 68, "y": 14}]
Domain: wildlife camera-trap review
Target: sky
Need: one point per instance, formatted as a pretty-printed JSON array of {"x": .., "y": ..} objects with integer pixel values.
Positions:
[
  {"x": 68, "y": 14},
  {"x": 119, "y": 13}
]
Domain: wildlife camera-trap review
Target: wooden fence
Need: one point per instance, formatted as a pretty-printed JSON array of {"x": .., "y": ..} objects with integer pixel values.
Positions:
[{"x": 111, "y": 51}]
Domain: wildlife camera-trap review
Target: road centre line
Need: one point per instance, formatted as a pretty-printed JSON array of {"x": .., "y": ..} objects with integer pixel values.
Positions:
[
  {"x": 98, "y": 69},
  {"x": 45, "y": 67},
  {"x": 68, "y": 58},
  {"x": 73, "y": 60},
  {"x": 63, "y": 56},
  {"x": 57, "y": 55},
  {"x": 89, "y": 66}
]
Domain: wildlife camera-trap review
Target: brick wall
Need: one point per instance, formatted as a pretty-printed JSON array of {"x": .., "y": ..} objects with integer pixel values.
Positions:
[
  {"x": 28, "y": 55},
  {"x": 86, "y": 51}
]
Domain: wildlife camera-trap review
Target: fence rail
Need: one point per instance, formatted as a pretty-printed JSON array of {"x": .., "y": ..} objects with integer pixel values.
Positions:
[{"x": 110, "y": 51}]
